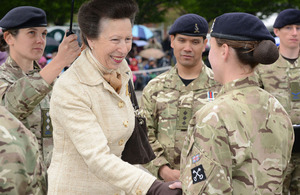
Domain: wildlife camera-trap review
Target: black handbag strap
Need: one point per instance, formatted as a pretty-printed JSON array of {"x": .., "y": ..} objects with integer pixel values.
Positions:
[{"x": 133, "y": 98}]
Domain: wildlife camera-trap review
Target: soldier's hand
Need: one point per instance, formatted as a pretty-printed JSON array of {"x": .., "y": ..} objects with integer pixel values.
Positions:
[
  {"x": 162, "y": 188},
  {"x": 175, "y": 185},
  {"x": 68, "y": 50},
  {"x": 169, "y": 174}
]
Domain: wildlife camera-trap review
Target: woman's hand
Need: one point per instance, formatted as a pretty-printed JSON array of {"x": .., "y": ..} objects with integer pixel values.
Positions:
[
  {"x": 175, "y": 185},
  {"x": 163, "y": 188}
]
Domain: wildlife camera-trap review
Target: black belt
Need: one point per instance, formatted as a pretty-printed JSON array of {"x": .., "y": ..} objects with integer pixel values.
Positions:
[{"x": 296, "y": 147}]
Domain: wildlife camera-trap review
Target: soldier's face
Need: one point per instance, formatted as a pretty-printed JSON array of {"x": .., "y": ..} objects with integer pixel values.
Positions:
[
  {"x": 289, "y": 36},
  {"x": 214, "y": 59},
  {"x": 188, "y": 49},
  {"x": 28, "y": 44},
  {"x": 113, "y": 43}
]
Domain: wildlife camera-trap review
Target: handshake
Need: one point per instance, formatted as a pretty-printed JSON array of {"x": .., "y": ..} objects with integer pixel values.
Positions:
[{"x": 165, "y": 188}]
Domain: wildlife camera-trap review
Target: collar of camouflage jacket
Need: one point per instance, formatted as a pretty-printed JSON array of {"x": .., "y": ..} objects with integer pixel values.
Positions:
[
  {"x": 204, "y": 80},
  {"x": 250, "y": 81},
  {"x": 283, "y": 63},
  {"x": 13, "y": 71}
]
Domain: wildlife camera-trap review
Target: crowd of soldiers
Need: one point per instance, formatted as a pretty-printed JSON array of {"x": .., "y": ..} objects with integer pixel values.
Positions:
[{"x": 225, "y": 130}]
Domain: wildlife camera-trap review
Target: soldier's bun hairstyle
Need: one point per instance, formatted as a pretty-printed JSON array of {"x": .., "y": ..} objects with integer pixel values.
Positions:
[
  {"x": 91, "y": 13},
  {"x": 266, "y": 52},
  {"x": 253, "y": 52}
]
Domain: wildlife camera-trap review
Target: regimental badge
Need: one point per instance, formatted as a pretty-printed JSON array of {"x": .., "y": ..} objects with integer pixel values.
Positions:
[
  {"x": 196, "y": 158},
  {"x": 210, "y": 96},
  {"x": 198, "y": 174},
  {"x": 196, "y": 28}
]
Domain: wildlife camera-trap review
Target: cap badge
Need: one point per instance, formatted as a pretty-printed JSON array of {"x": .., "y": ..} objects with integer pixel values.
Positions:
[
  {"x": 212, "y": 26},
  {"x": 196, "y": 28}
]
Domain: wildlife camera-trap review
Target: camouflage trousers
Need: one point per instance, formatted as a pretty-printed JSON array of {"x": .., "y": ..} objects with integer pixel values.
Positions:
[{"x": 292, "y": 181}]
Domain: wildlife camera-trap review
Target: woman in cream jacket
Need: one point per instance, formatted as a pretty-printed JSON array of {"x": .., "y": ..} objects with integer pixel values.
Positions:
[{"x": 91, "y": 111}]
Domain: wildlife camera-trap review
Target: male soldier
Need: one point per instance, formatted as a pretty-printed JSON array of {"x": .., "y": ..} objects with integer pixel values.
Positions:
[
  {"x": 171, "y": 99},
  {"x": 281, "y": 79},
  {"x": 21, "y": 167},
  {"x": 25, "y": 87}
]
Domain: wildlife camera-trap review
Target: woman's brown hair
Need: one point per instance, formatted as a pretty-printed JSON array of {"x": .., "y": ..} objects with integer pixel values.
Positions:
[
  {"x": 253, "y": 52},
  {"x": 3, "y": 44},
  {"x": 91, "y": 13}
]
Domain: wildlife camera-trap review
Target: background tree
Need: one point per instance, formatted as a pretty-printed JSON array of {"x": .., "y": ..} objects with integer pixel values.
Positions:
[
  {"x": 153, "y": 11},
  {"x": 213, "y": 8},
  {"x": 58, "y": 11},
  {"x": 156, "y": 11}
]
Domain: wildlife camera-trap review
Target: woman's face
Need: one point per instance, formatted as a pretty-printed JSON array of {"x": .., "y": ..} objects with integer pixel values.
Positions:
[
  {"x": 214, "y": 59},
  {"x": 28, "y": 44},
  {"x": 114, "y": 42}
]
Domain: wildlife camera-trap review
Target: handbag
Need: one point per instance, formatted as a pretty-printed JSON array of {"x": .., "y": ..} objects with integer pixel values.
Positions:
[{"x": 137, "y": 149}]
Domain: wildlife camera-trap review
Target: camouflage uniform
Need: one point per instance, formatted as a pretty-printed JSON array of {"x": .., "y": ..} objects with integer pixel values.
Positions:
[
  {"x": 27, "y": 97},
  {"x": 21, "y": 167},
  {"x": 239, "y": 144},
  {"x": 281, "y": 79},
  {"x": 168, "y": 106}
]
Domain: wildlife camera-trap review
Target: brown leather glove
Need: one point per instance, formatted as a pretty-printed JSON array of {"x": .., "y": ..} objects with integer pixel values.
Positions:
[{"x": 162, "y": 188}]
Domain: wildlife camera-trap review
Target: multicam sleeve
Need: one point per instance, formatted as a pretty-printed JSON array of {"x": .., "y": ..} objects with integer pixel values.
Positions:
[
  {"x": 148, "y": 109},
  {"x": 21, "y": 168},
  {"x": 206, "y": 162},
  {"x": 22, "y": 96}
]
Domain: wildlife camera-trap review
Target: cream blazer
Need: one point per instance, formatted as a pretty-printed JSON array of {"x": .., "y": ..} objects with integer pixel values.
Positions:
[{"x": 91, "y": 125}]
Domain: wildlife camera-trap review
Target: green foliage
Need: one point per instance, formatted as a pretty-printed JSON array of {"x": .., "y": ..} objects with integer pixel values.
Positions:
[
  {"x": 154, "y": 11},
  {"x": 213, "y": 8},
  {"x": 58, "y": 11}
]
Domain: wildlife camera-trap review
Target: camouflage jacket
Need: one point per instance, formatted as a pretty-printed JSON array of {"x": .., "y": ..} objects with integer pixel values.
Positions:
[
  {"x": 21, "y": 167},
  {"x": 281, "y": 79},
  {"x": 239, "y": 144},
  {"x": 168, "y": 106},
  {"x": 27, "y": 97}
]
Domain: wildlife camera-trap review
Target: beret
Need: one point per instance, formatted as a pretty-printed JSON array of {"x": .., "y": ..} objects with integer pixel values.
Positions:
[
  {"x": 287, "y": 17},
  {"x": 190, "y": 25},
  {"x": 23, "y": 17},
  {"x": 241, "y": 27}
]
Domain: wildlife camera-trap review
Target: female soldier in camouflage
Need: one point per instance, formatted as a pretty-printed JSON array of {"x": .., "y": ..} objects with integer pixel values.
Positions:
[
  {"x": 24, "y": 87},
  {"x": 21, "y": 167},
  {"x": 241, "y": 142}
]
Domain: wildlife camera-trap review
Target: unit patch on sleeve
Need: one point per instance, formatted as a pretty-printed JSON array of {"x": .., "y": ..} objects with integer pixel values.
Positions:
[{"x": 198, "y": 174}]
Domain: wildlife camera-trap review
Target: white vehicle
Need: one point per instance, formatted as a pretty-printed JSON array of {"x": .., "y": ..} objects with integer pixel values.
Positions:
[{"x": 58, "y": 32}]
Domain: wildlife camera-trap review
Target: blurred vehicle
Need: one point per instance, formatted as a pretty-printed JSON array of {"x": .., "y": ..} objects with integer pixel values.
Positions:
[{"x": 58, "y": 33}]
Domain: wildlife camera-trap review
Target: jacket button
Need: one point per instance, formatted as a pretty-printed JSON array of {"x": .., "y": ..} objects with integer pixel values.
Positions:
[
  {"x": 138, "y": 192},
  {"x": 121, "y": 142},
  {"x": 121, "y": 104},
  {"x": 125, "y": 123}
]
